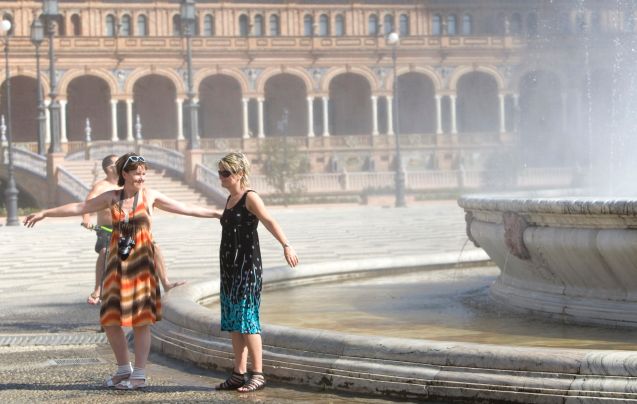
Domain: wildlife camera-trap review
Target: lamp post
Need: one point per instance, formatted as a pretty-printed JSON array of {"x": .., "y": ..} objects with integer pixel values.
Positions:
[
  {"x": 50, "y": 12},
  {"x": 11, "y": 193},
  {"x": 187, "y": 14},
  {"x": 393, "y": 39},
  {"x": 37, "y": 36}
]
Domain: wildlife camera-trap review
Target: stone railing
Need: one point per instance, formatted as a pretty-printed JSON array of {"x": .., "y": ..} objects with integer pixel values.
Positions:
[
  {"x": 207, "y": 181},
  {"x": 97, "y": 150},
  {"x": 163, "y": 158},
  {"x": 418, "y": 180},
  {"x": 28, "y": 161},
  {"x": 71, "y": 184}
]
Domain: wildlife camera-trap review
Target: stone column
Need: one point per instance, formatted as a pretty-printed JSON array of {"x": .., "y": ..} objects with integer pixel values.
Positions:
[
  {"x": 438, "y": 114},
  {"x": 114, "y": 120},
  {"x": 503, "y": 128},
  {"x": 374, "y": 115},
  {"x": 180, "y": 118},
  {"x": 129, "y": 120},
  {"x": 326, "y": 112},
  {"x": 310, "y": 116},
  {"x": 261, "y": 132},
  {"x": 246, "y": 129},
  {"x": 454, "y": 119},
  {"x": 516, "y": 112},
  {"x": 63, "y": 137},
  {"x": 390, "y": 115}
]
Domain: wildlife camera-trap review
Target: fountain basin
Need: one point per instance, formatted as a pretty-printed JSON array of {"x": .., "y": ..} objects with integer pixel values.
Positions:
[
  {"x": 570, "y": 258},
  {"x": 395, "y": 367}
]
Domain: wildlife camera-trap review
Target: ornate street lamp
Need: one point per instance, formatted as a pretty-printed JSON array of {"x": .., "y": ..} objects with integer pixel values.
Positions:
[
  {"x": 50, "y": 12},
  {"x": 11, "y": 193},
  {"x": 37, "y": 36},
  {"x": 188, "y": 15},
  {"x": 393, "y": 39}
]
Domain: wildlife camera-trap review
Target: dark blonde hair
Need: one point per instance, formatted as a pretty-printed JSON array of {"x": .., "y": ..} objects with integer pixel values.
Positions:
[
  {"x": 131, "y": 166},
  {"x": 237, "y": 163}
]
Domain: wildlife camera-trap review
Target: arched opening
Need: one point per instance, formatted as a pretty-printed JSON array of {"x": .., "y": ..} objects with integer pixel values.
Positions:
[
  {"x": 88, "y": 98},
  {"x": 477, "y": 103},
  {"x": 350, "y": 105},
  {"x": 285, "y": 106},
  {"x": 154, "y": 97},
  {"x": 220, "y": 108},
  {"x": 416, "y": 103},
  {"x": 23, "y": 108}
]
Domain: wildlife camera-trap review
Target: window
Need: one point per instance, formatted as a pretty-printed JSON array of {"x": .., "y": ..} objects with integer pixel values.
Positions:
[
  {"x": 125, "y": 28},
  {"x": 209, "y": 25},
  {"x": 339, "y": 25},
  {"x": 76, "y": 22},
  {"x": 467, "y": 24},
  {"x": 308, "y": 25},
  {"x": 516, "y": 24},
  {"x": 258, "y": 25},
  {"x": 404, "y": 25},
  {"x": 142, "y": 25},
  {"x": 388, "y": 24},
  {"x": 436, "y": 25},
  {"x": 244, "y": 29},
  {"x": 531, "y": 24},
  {"x": 372, "y": 25},
  {"x": 110, "y": 25},
  {"x": 274, "y": 25},
  {"x": 324, "y": 25},
  {"x": 176, "y": 25},
  {"x": 451, "y": 25}
]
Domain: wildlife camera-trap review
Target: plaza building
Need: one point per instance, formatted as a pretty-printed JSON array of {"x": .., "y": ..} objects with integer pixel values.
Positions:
[{"x": 475, "y": 79}]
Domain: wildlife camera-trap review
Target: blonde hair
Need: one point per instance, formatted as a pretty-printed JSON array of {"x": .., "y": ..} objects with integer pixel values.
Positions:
[{"x": 237, "y": 163}]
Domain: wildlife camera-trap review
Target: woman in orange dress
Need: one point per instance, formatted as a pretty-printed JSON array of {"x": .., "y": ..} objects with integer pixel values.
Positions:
[{"x": 130, "y": 291}]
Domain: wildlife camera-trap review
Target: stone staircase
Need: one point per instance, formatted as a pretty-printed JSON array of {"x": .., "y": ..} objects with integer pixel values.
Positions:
[{"x": 89, "y": 171}]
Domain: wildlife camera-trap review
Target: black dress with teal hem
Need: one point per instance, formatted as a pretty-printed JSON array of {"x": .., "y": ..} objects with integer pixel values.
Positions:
[{"x": 241, "y": 269}]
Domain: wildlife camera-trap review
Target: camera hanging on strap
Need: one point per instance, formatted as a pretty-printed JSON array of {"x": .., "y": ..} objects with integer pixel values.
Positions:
[{"x": 126, "y": 241}]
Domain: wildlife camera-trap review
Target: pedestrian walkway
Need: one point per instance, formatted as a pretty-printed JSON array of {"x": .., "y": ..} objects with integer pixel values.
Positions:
[{"x": 47, "y": 272}]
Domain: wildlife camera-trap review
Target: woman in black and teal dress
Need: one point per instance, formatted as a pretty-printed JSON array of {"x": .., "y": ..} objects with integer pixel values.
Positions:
[{"x": 241, "y": 267}]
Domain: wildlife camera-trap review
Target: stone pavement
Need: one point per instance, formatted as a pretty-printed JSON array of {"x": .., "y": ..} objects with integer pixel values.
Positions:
[{"x": 47, "y": 272}]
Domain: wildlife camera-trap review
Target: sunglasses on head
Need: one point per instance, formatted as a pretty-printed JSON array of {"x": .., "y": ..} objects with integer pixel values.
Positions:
[
  {"x": 134, "y": 159},
  {"x": 224, "y": 173}
]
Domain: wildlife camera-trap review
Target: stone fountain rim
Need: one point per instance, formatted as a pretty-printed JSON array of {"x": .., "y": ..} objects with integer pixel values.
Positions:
[
  {"x": 182, "y": 309},
  {"x": 562, "y": 205}
]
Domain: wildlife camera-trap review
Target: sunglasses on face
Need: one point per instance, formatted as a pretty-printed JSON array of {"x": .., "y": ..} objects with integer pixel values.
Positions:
[
  {"x": 134, "y": 159},
  {"x": 224, "y": 173}
]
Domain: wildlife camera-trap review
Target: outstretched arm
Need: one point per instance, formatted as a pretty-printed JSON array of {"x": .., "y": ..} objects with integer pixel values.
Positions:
[
  {"x": 256, "y": 206},
  {"x": 72, "y": 209},
  {"x": 163, "y": 202}
]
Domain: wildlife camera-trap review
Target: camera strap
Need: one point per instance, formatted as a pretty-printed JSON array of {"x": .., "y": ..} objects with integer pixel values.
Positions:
[{"x": 121, "y": 202}]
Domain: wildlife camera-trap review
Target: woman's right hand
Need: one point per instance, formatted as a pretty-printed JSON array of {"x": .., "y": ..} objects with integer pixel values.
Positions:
[{"x": 33, "y": 218}]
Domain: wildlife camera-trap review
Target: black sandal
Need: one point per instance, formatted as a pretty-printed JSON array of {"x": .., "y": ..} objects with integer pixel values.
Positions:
[
  {"x": 254, "y": 383},
  {"x": 235, "y": 381}
]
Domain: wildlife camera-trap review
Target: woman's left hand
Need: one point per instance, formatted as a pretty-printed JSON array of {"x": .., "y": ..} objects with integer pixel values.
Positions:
[{"x": 290, "y": 256}]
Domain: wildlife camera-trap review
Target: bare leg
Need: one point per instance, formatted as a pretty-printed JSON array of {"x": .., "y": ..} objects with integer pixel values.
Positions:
[
  {"x": 240, "y": 352},
  {"x": 255, "y": 350},
  {"x": 94, "y": 297},
  {"x": 240, "y": 363},
  {"x": 160, "y": 266},
  {"x": 142, "y": 345},
  {"x": 117, "y": 340}
]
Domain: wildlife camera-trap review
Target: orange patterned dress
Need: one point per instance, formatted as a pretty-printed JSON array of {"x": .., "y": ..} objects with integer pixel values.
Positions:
[{"x": 130, "y": 288}]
